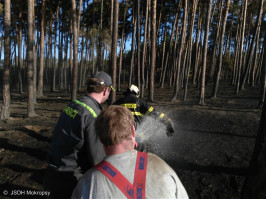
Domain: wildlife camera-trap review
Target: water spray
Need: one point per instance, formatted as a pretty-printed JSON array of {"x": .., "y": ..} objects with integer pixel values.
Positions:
[{"x": 151, "y": 134}]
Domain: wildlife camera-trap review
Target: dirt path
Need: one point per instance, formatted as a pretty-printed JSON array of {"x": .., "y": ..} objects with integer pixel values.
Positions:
[{"x": 210, "y": 151}]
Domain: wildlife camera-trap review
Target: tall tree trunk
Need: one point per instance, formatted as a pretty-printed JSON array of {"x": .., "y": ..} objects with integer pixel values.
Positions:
[
  {"x": 169, "y": 50},
  {"x": 41, "y": 62},
  {"x": 153, "y": 50},
  {"x": 19, "y": 41},
  {"x": 255, "y": 65},
  {"x": 50, "y": 53},
  {"x": 75, "y": 50},
  {"x": 5, "y": 113},
  {"x": 204, "y": 57},
  {"x": 100, "y": 49},
  {"x": 55, "y": 45},
  {"x": 144, "y": 50},
  {"x": 237, "y": 46},
  {"x": 240, "y": 61},
  {"x": 121, "y": 48},
  {"x": 132, "y": 48},
  {"x": 174, "y": 60},
  {"x": 138, "y": 42},
  {"x": 220, "y": 60},
  {"x": 216, "y": 41},
  {"x": 31, "y": 112},
  {"x": 163, "y": 49},
  {"x": 256, "y": 34},
  {"x": 182, "y": 42},
  {"x": 197, "y": 47},
  {"x": 190, "y": 46},
  {"x": 34, "y": 58},
  {"x": 65, "y": 63},
  {"x": 81, "y": 62},
  {"x": 60, "y": 58},
  {"x": 70, "y": 71},
  {"x": 149, "y": 47},
  {"x": 114, "y": 46}
]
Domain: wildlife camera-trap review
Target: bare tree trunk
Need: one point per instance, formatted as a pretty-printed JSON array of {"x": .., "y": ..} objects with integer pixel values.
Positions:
[
  {"x": 138, "y": 42},
  {"x": 197, "y": 48},
  {"x": 65, "y": 63},
  {"x": 257, "y": 34},
  {"x": 34, "y": 58},
  {"x": 41, "y": 62},
  {"x": 240, "y": 62},
  {"x": 71, "y": 55},
  {"x": 75, "y": 50},
  {"x": 149, "y": 47},
  {"x": 174, "y": 59},
  {"x": 121, "y": 48},
  {"x": 5, "y": 113},
  {"x": 19, "y": 38},
  {"x": 218, "y": 75},
  {"x": 163, "y": 50},
  {"x": 60, "y": 58},
  {"x": 169, "y": 50},
  {"x": 50, "y": 53},
  {"x": 153, "y": 49},
  {"x": 144, "y": 50},
  {"x": 182, "y": 42},
  {"x": 204, "y": 57},
  {"x": 114, "y": 46},
  {"x": 132, "y": 48},
  {"x": 31, "y": 112},
  {"x": 216, "y": 41},
  {"x": 81, "y": 62},
  {"x": 190, "y": 46},
  {"x": 255, "y": 66},
  {"x": 237, "y": 44},
  {"x": 55, "y": 45}
]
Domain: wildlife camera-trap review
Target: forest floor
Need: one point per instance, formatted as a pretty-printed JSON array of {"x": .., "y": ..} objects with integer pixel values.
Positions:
[{"x": 210, "y": 150}]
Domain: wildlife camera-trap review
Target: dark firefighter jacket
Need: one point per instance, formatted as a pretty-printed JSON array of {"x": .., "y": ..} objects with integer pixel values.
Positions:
[
  {"x": 139, "y": 108},
  {"x": 75, "y": 146}
]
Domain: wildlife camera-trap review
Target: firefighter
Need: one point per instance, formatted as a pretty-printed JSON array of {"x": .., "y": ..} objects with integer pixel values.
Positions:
[
  {"x": 139, "y": 109},
  {"x": 125, "y": 172},
  {"x": 75, "y": 147}
]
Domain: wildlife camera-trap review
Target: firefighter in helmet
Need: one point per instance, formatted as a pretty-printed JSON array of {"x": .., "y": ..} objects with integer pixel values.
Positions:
[{"x": 139, "y": 108}]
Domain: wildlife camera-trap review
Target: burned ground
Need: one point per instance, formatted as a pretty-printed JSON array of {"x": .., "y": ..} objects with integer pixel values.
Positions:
[{"x": 210, "y": 150}]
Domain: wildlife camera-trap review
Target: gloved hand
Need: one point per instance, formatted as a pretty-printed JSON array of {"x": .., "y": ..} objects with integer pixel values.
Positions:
[{"x": 170, "y": 131}]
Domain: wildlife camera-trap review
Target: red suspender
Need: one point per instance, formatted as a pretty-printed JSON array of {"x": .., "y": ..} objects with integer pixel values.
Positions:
[
  {"x": 116, "y": 177},
  {"x": 137, "y": 190},
  {"x": 140, "y": 175}
]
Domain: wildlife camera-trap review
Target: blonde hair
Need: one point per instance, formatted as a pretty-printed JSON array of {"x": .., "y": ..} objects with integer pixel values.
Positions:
[{"x": 113, "y": 125}]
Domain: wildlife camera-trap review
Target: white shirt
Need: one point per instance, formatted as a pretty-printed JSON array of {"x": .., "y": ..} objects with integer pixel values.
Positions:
[{"x": 161, "y": 180}]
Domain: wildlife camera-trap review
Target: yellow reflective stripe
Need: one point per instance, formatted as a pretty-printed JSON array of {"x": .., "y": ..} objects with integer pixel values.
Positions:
[
  {"x": 86, "y": 106},
  {"x": 129, "y": 105},
  {"x": 137, "y": 113},
  {"x": 161, "y": 115},
  {"x": 112, "y": 88},
  {"x": 150, "y": 110}
]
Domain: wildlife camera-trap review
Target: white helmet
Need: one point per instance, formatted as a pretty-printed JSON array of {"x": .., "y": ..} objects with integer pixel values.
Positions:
[{"x": 135, "y": 89}]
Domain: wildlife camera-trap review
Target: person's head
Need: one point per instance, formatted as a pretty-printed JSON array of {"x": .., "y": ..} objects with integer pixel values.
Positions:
[
  {"x": 100, "y": 83},
  {"x": 115, "y": 125},
  {"x": 132, "y": 90}
]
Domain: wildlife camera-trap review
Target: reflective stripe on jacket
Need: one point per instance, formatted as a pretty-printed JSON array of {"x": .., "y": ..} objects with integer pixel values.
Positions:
[{"x": 138, "y": 107}]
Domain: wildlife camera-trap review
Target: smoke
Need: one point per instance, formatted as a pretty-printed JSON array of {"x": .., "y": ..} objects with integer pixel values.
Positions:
[{"x": 151, "y": 133}]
